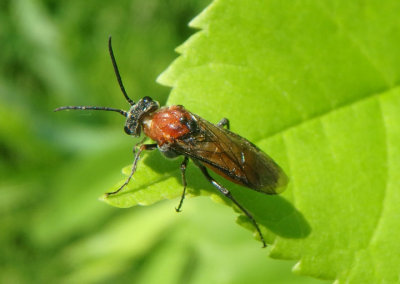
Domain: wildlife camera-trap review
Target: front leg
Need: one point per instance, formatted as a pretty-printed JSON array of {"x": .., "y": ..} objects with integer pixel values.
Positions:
[{"x": 143, "y": 147}]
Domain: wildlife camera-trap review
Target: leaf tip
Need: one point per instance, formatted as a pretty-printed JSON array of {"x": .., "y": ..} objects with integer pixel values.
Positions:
[{"x": 201, "y": 20}]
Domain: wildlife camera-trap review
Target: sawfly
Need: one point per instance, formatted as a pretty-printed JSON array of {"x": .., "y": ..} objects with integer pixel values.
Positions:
[{"x": 179, "y": 132}]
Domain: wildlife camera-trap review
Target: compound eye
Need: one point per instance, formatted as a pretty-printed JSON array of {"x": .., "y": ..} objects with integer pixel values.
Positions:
[
  {"x": 127, "y": 130},
  {"x": 147, "y": 99}
]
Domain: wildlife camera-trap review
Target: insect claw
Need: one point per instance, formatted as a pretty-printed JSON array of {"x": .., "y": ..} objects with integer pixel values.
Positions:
[{"x": 107, "y": 194}]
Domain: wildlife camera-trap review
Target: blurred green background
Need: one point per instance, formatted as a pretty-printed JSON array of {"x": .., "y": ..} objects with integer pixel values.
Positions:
[{"x": 54, "y": 166}]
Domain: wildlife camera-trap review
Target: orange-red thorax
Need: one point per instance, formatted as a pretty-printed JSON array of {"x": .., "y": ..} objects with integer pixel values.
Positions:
[{"x": 166, "y": 124}]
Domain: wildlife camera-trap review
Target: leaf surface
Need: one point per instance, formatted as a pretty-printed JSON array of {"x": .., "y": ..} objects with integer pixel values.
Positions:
[{"x": 315, "y": 85}]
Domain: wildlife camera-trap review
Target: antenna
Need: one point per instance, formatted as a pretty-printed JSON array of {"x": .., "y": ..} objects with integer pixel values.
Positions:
[
  {"x": 114, "y": 63},
  {"x": 124, "y": 113}
]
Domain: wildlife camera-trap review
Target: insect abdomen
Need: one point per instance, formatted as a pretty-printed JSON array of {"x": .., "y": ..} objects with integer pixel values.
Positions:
[{"x": 259, "y": 173}]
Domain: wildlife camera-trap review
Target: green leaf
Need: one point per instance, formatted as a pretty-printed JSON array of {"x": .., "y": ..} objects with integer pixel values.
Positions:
[{"x": 315, "y": 85}]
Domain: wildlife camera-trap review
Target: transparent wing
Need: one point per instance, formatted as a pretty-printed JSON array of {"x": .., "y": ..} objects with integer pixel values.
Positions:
[{"x": 232, "y": 157}]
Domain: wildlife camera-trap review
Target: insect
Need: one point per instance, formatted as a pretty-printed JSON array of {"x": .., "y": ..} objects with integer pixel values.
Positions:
[{"x": 178, "y": 132}]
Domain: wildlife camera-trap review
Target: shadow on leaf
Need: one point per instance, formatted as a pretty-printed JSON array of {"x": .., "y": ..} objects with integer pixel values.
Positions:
[{"x": 271, "y": 211}]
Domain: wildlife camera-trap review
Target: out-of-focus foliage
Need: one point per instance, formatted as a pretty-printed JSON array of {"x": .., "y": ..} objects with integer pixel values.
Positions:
[{"x": 53, "y": 166}]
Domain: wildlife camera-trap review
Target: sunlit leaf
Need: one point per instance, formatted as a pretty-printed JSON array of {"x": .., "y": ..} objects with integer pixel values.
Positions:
[{"x": 315, "y": 85}]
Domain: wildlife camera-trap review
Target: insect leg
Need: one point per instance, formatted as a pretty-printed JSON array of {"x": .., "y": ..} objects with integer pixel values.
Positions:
[
  {"x": 183, "y": 171},
  {"x": 137, "y": 145},
  {"x": 226, "y": 192},
  {"x": 224, "y": 122},
  {"x": 135, "y": 161}
]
